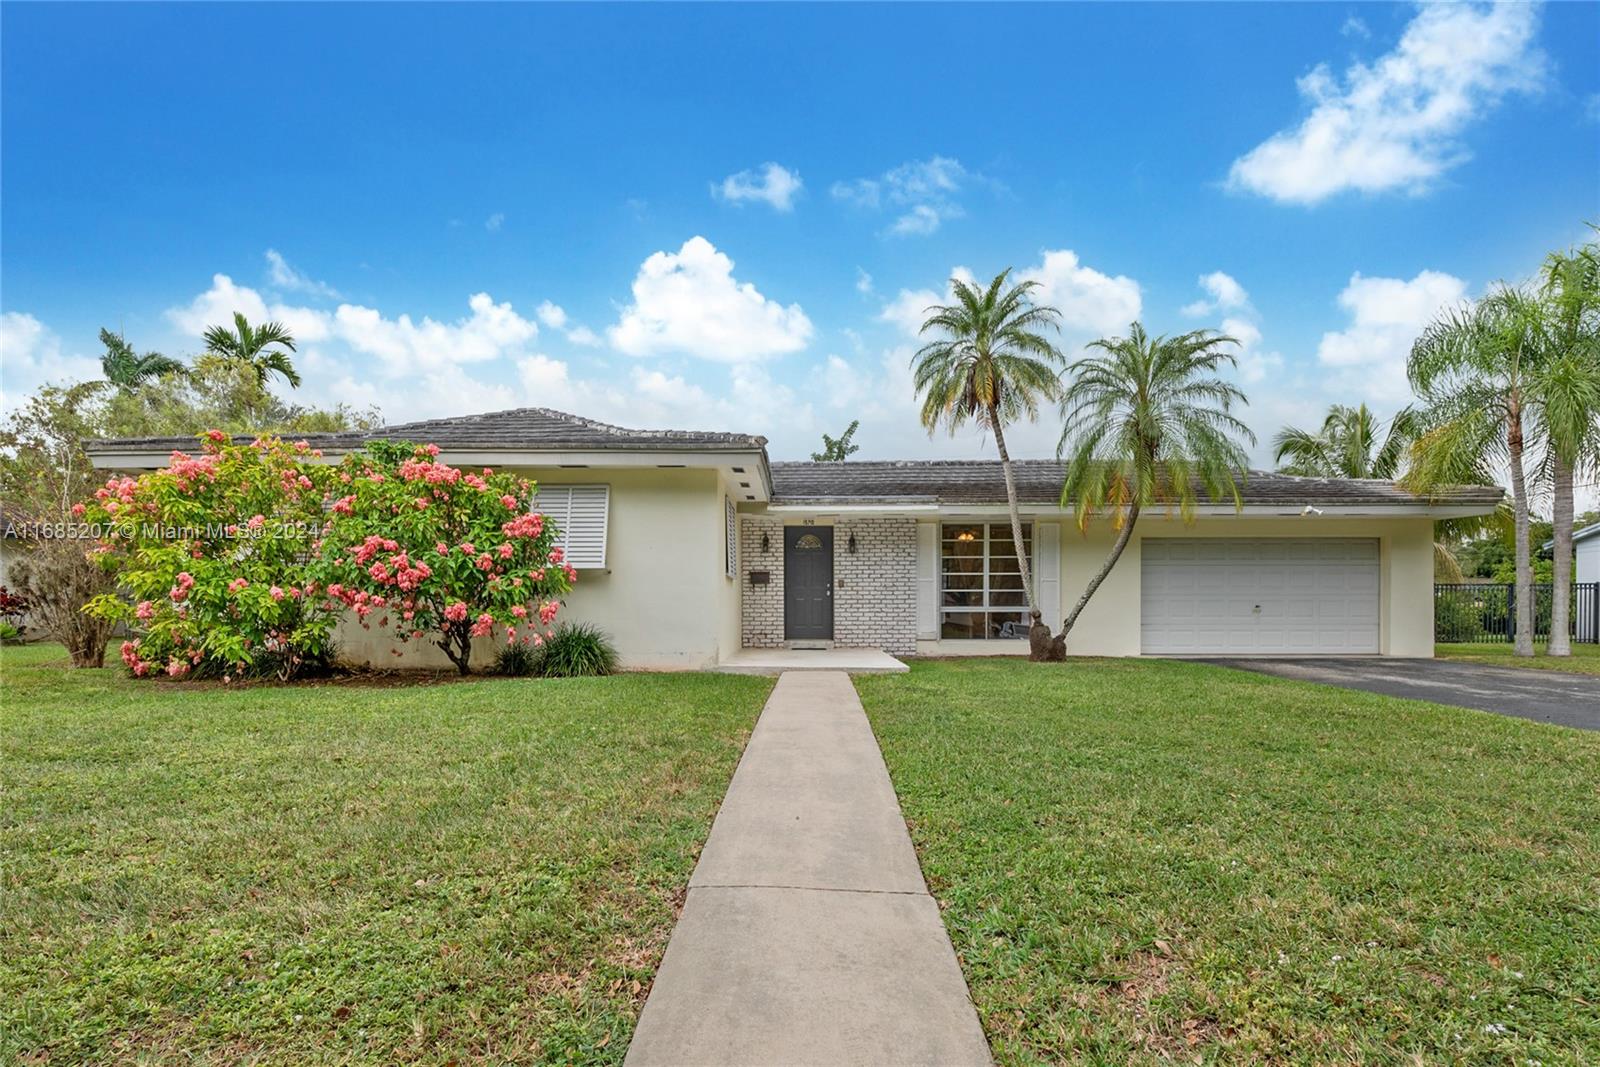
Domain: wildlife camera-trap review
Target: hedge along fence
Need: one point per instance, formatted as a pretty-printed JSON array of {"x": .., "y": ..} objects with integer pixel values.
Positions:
[
  {"x": 1485, "y": 613},
  {"x": 238, "y": 561}
]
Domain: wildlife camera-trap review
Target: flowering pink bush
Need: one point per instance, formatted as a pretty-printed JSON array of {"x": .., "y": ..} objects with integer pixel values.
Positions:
[
  {"x": 211, "y": 556},
  {"x": 435, "y": 552}
]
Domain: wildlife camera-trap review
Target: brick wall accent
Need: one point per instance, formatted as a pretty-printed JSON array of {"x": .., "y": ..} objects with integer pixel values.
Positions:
[
  {"x": 760, "y": 606},
  {"x": 875, "y": 588},
  {"x": 876, "y": 606}
]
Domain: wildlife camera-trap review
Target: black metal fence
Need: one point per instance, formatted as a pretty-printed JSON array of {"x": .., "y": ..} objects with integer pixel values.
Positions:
[{"x": 1485, "y": 613}]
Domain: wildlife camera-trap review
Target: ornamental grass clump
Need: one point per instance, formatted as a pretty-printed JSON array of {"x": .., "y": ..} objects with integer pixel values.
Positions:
[
  {"x": 576, "y": 650},
  {"x": 434, "y": 552}
]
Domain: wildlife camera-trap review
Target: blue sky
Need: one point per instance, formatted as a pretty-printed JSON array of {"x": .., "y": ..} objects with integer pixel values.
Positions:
[{"x": 725, "y": 217}]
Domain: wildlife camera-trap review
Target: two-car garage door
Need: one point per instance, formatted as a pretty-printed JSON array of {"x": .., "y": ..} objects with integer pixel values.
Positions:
[{"x": 1247, "y": 596}]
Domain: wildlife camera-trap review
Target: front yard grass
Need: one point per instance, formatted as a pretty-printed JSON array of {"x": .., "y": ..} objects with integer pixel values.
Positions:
[
  {"x": 1585, "y": 658},
  {"x": 484, "y": 871},
  {"x": 1146, "y": 859}
]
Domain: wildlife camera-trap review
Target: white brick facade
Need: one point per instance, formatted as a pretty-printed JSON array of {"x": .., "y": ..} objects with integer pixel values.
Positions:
[
  {"x": 761, "y": 606},
  {"x": 875, "y": 587}
]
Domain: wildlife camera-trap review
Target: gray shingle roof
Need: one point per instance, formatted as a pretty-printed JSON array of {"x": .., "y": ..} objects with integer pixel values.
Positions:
[
  {"x": 531, "y": 429},
  {"x": 1039, "y": 482}
]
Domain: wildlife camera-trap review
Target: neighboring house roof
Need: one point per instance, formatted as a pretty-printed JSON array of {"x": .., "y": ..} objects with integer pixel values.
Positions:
[
  {"x": 519, "y": 429},
  {"x": 1039, "y": 483},
  {"x": 1578, "y": 535}
]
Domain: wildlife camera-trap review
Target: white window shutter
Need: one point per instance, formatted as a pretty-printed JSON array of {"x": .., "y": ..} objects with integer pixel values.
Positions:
[
  {"x": 581, "y": 514},
  {"x": 928, "y": 580},
  {"x": 1047, "y": 557},
  {"x": 730, "y": 539}
]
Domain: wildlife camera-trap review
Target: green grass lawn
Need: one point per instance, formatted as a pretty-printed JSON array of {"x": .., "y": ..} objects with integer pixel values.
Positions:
[
  {"x": 1142, "y": 859},
  {"x": 1585, "y": 659},
  {"x": 475, "y": 872}
]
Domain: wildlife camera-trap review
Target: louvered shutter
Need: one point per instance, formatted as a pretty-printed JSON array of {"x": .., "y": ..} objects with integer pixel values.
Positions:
[
  {"x": 927, "y": 580},
  {"x": 1047, "y": 570},
  {"x": 580, "y": 513}
]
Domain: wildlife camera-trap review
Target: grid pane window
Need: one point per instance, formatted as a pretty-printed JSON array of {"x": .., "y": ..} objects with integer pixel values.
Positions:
[{"x": 980, "y": 581}]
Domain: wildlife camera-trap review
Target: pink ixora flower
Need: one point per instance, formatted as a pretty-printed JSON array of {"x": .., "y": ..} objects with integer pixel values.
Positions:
[
  {"x": 145, "y": 611},
  {"x": 508, "y": 500},
  {"x": 456, "y": 612},
  {"x": 276, "y": 592},
  {"x": 237, "y": 584}
]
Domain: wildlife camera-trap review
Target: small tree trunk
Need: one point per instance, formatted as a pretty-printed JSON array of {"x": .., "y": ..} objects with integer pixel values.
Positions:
[
  {"x": 1561, "y": 591},
  {"x": 1121, "y": 543},
  {"x": 1523, "y": 643},
  {"x": 457, "y": 645}
]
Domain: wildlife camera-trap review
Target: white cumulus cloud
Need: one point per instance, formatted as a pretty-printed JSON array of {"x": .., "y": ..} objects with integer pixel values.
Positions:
[
  {"x": 689, "y": 302},
  {"x": 1092, "y": 303},
  {"x": 31, "y": 355},
  {"x": 1395, "y": 123},
  {"x": 1223, "y": 293},
  {"x": 1368, "y": 357},
  {"x": 770, "y": 184}
]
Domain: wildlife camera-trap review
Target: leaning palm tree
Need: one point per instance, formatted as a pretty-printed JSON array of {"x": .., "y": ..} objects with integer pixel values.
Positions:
[
  {"x": 989, "y": 362},
  {"x": 1149, "y": 422},
  {"x": 1565, "y": 388},
  {"x": 1351, "y": 444},
  {"x": 127, "y": 369},
  {"x": 253, "y": 347},
  {"x": 1472, "y": 369}
]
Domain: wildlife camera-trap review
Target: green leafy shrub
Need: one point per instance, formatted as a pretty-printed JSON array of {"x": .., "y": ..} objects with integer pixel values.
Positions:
[
  {"x": 577, "y": 650},
  {"x": 10, "y": 633},
  {"x": 517, "y": 661}
]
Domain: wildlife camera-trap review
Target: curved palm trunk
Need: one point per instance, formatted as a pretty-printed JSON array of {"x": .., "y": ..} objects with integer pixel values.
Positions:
[
  {"x": 1011, "y": 504},
  {"x": 1561, "y": 593},
  {"x": 1105, "y": 568},
  {"x": 1523, "y": 645}
]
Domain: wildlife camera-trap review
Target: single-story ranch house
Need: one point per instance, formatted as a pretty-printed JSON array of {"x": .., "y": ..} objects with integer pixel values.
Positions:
[{"x": 691, "y": 546}]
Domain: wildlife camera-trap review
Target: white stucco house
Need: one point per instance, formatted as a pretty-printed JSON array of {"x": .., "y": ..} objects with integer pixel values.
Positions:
[{"x": 692, "y": 546}]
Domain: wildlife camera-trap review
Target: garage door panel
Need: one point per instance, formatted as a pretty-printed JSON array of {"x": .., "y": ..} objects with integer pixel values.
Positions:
[{"x": 1259, "y": 596}]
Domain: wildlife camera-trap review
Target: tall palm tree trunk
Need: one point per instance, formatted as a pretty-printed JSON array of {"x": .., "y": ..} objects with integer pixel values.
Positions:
[
  {"x": 1523, "y": 645},
  {"x": 1011, "y": 503},
  {"x": 1561, "y": 593},
  {"x": 1123, "y": 538}
]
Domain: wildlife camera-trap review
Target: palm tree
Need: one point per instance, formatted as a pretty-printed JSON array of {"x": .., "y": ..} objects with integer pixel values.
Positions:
[
  {"x": 1149, "y": 422},
  {"x": 1472, "y": 369},
  {"x": 1566, "y": 390},
  {"x": 252, "y": 346},
  {"x": 127, "y": 369},
  {"x": 1347, "y": 446},
  {"x": 991, "y": 363}
]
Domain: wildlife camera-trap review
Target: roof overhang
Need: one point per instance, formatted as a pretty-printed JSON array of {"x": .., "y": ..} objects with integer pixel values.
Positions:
[
  {"x": 735, "y": 464},
  {"x": 1282, "y": 511}
]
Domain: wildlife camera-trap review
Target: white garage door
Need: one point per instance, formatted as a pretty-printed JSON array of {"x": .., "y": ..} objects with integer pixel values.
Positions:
[{"x": 1249, "y": 597}]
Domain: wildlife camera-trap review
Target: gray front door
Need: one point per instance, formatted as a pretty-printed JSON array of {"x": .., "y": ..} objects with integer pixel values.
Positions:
[{"x": 808, "y": 583}]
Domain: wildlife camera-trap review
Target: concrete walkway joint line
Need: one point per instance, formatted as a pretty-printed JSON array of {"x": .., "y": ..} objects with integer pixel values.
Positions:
[{"x": 808, "y": 935}]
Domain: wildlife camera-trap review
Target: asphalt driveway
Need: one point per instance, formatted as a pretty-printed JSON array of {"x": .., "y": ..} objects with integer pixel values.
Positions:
[{"x": 1543, "y": 696}]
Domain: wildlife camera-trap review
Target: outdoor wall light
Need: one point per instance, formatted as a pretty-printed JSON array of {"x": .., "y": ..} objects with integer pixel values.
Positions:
[
  {"x": 852, "y": 544},
  {"x": 766, "y": 542}
]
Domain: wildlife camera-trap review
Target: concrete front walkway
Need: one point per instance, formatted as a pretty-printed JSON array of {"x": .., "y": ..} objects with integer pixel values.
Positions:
[{"x": 808, "y": 936}]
